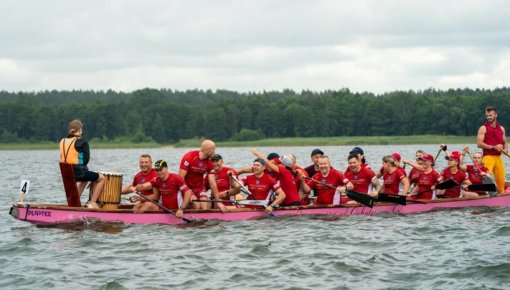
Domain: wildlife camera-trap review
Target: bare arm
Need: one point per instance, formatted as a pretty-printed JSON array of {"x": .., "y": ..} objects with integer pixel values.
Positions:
[
  {"x": 413, "y": 164},
  {"x": 182, "y": 173},
  {"x": 270, "y": 165},
  {"x": 247, "y": 169},
  {"x": 480, "y": 137},
  {"x": 405, "y": 183}
]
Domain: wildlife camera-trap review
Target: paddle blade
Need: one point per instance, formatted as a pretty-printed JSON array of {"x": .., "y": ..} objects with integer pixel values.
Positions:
[
  {"x": 482, "y": 187},
  {"x": 262, "y": 203},
  {"x": 364, "y": 199},
  {"x": 446, "y": 184},
  {"x": 398, "y": 199}
]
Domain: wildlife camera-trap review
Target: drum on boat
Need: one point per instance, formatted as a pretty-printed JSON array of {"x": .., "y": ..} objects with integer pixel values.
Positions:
[{"x": 110, "y": 197}]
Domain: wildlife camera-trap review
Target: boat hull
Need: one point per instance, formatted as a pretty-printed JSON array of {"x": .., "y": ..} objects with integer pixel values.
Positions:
[{"x": 61, "y": 214}]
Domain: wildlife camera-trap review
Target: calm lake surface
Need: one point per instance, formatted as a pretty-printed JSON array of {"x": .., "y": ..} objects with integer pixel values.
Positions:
[{"x": 455, "y": 249}]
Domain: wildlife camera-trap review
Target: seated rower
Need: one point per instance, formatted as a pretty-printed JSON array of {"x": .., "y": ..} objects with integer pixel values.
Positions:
[
  {"x": 397, "y": 159},
  {"x": 475, "y": 171},
  {"x": 314, "y": 168},
  {"x": 393, "y": 176},
  {"x": 417, "y": 167},
  {"x": 282, "y": 171},
  {"x": 170, "y": 187},
  {"x": 146, "y": 174},
  {"x": 361, "y": 177},
  {"x": 454, "y": 173},
  {"x": 297, "y": 178},
  {"x": 260, "y": 185},
  {"x": 223, "y": 178},
  {"x": 323, "y": 181},
  {"x": 427, "y": 180},
  {"x": 361, "y": 156}
]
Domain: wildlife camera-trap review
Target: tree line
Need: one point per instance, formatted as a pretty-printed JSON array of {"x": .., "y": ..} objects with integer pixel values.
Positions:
[{"x": 167, "y": 116}]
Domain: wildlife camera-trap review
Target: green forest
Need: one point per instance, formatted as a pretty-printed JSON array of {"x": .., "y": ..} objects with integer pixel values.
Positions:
[{"x": 167, "y": 116}]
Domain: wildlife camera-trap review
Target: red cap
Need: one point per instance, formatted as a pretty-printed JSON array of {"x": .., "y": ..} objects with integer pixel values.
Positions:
[
  {"x": 396, "y": 156},
  {"x": 455, "y": 155},
  {"x": 428, "y": 157}
]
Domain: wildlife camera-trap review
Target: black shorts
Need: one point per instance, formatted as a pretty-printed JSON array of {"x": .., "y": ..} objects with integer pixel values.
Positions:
[{"x": 82, "y": 173}]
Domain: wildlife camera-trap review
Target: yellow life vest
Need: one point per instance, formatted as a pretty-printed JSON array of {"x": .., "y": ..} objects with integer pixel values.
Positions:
[{"x": 68, "y": 153}]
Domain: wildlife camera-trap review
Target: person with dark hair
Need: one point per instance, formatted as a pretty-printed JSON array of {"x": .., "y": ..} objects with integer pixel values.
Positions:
[
  {"x": 491, "y": 139},
  {"x": 453, "y": 172},
  {"x": 223, "y": 176},
  {"x": 427, "y": 180},
  {"x": 74, "y": 149},
  {"x": 361, "y": 177},
  {"x": 361, "y": 156},
  {"x": 314, "y": 168}
]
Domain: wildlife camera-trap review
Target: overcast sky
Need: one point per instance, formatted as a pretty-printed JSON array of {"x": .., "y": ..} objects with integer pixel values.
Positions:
[{"x": 254, "y": 45}]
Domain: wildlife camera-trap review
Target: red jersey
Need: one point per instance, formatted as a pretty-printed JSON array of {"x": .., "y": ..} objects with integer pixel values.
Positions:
[
  {"x": 426, "y": 181},
  {"x": 414, "y": 175},
  {"x": 458, "y": 177},
  {"x": 260, "y": 186},
  {"x": 361, "y": 179},
  {"x": 170, "y": 190},
  {"x": 288, "y": 184},
  {"x": 195, "y": 169},
  {"x": 392, "y": 180},
  {"x": 325, "y": 194},
  {"x": 140, "y": 178},
  {"x": 493, "y": 136},
  {"x": 474, "y": 175}
]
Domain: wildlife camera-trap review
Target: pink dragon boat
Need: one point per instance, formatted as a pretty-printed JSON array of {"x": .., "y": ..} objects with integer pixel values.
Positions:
[{"x": 45, "y": 214}]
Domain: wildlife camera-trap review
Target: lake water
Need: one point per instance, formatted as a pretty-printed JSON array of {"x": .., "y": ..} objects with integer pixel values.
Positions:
[{"x": 455, "y": 249}]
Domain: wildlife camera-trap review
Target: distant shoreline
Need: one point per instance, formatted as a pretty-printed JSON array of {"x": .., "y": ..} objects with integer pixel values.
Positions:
[{"x": 296, "y": 141}]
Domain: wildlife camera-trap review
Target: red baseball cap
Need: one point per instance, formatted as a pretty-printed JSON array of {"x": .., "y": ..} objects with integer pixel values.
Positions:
[
  {"x": 396, "y": 156},
  {"x": 455, "y": 155},
  {"x": 428, "y": 157}
]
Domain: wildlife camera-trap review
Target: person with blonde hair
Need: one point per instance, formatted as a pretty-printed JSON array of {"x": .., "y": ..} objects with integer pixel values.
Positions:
[{"x": 74, "y": 149}]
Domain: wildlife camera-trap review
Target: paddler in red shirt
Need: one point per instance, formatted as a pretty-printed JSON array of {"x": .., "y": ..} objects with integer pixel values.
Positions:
[
  {"x": 314, "y": 168},
  {"x": 193, "y": 167},
  {"x": 475, "y": 171},
  {"x": 393, "y": 176},
  {"x": 174, "y": 193},
  {"x": 361, "y": 156},
  {"x": 223, "y": 175},
  {"x": 322, "y": 182},
  {"x": 146, "y": 174},
  {"x": 361, "y": 177},
  {"x": 427, "y": 180},
  {"x": 491, "y": 138},
  {"x": 262, "y": 186},
  {"x": 417, "y": 167},
  {"x": 281, "y": 169},
  {"x": 454, "y": 173}
]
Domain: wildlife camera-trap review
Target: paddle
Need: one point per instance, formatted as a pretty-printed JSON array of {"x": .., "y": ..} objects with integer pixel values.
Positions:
[
  {"x": 364, "y": 199},
  {"x": 161, "y": 206},
  {"x": 485, "y": 179},
  {"x": 443, "y": 185},
  {"x": 245, "y": 190},
  {"x": 394, "y": 198},
  {"x": 239, "y": 202},
  {"x": 491, "y": 187}
]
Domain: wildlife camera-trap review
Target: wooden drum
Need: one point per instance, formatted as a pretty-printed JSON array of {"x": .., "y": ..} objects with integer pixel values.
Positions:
[{"x": 110, "y": 196}]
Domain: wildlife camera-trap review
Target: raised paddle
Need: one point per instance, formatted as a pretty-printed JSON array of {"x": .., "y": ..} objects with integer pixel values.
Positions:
[
  {"x": 364, "y": 199},
  {"x": 485, "y": 179},
  {"x": 161, "y": 206}
]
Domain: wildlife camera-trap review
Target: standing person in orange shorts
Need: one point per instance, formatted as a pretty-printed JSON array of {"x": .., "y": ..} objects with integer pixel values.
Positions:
[{"x": 491, "y": 138}]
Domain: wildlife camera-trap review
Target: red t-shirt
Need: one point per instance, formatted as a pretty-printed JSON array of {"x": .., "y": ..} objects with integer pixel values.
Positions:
[
  {"x": 493, "y": 136},
  {"x": 414, "y": 174},
  {"x": 288, "y": 185},
  {"x": 222, "y": 179},
  {"x": 361, "y": 179},
  {"x": 474, "y": 175},
  {"x": 426, "y": 181},
  {"x": 458, "y": 177},
  {"x": 170, "y": 190},
  {"x": 260, "y": 186},
  {"x": 392, "y": 180},
  {"x": 195, "y": 169},
  {"x": 141, "y": 178},
  {"x": 325, "y": 194}
]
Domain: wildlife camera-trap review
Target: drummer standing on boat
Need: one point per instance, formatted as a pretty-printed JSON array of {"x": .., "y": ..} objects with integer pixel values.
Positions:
[
  {"x": 75, "y": 150},
  {"x": 194, "y": 165},
  {"x": 491, "y": 138}
]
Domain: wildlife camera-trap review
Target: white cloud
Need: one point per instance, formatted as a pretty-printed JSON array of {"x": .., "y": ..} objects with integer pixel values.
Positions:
[{"x": 254, "y": 45}]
